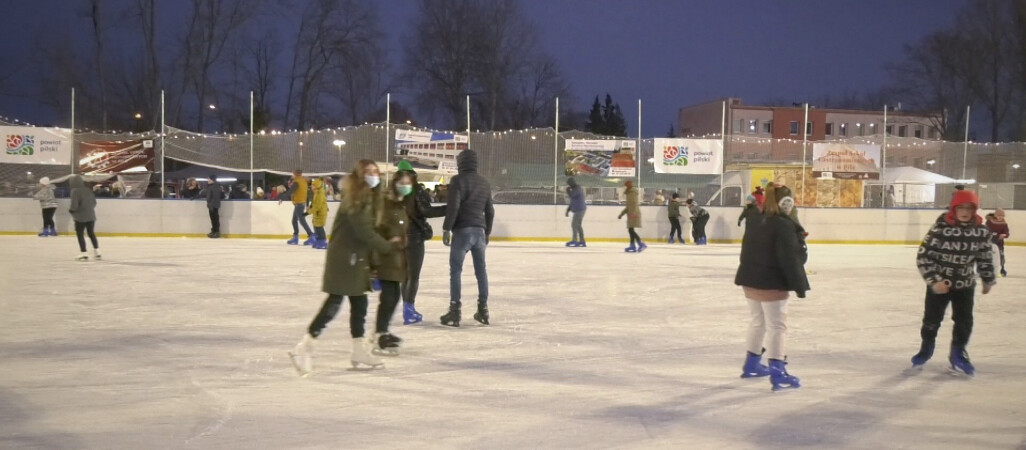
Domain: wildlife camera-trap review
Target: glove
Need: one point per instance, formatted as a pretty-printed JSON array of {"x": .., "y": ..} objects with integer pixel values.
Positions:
[
  {"x": 739, "y": 223},
  {"x": 620, "y": 216},
  {"x": 446, "y": 238},
  {"x": 801, "y": 294},
  {"x": 375, "y": 285},
  {"x": 567, "y": 213}
]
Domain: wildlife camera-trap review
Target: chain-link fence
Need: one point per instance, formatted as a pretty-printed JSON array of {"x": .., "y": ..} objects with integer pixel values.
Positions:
[{"x": 530, "y": 166}]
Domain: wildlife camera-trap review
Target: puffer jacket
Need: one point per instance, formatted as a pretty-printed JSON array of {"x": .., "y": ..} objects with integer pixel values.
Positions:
[
  {"x": 576, "y": 196},
  {"x": 419, "y": 209},
  {"x": 470, "y": 197},
  {"x": 773, "y": 255},
  {"x": 951, "y": 249},
  {"x": 319, "y": 206},
  {"x": 83, "y": 201},
  {"x": 45, "y": 196},
  {"x": 299, "y": 191}
]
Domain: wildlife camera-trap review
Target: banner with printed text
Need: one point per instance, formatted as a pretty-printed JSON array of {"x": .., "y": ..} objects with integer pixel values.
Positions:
[
  {"x": 846, "y": 161},
  {"x": 601, "y": 157},
  {"x": 689, "y": 156},
  {"x": 36, "y": 145},
  {"x": 116, "y": 156},
  {"x": 431, "y": 150}
]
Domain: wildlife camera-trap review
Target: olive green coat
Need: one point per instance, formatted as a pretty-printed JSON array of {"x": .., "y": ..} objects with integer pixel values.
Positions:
[
  {"x": 633, "y": 209},
  {"x": 353, "y": 239},
  {"x": 392, "y": 222}
]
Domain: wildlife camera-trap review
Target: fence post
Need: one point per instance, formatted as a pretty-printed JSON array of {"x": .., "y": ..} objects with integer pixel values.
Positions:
[
  {"x": 723, "y": 157},
  {"x": 555, "y": 159},
  {"x": 639, "y": 164},
  {"x": 805, "y": 142},
  {"x": 252, "y": 186},
  {"x": 74, "y": 149},
  {"x": 163, "y": 137},
  {"x": 965, "y": 145},
  {"x": 883, "y": 161}
]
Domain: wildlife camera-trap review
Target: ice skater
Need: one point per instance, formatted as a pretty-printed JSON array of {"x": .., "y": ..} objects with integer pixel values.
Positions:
[
  {"x": 83, "y": 211},
  {"x": 347, "y": 267},
  {"x": 467, "y": 227},
  {"x": 999, "y": 230},
  {"x": 418, "y": 209},
  {"x": 699, "y": 217},
  {"x": 299, "y": 194},
  {"x": 391, "y": 267},
  {"x": 319, "y": 211},
  {"x": 956, "y": 243},
  {"x": 578, "y": 207},
  {"x": 213, "y": 196},
  {"x": 751, "y": 210},
  {"x": 633, "y": 213},
  {"x": 48, "y": 204},
  {"x": 673, "y": 213},
  {"x": 772, "y": 258}
]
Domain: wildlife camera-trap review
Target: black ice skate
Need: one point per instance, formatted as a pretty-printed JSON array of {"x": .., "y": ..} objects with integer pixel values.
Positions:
[
  {"x": 481, "y": 315},
  {"x": 451, "y": 318},
  {"x": 386, "y": 344}
]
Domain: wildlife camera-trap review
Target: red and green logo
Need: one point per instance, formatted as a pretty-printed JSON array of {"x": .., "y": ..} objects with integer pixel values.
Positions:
[{"x": 21, "y": 144}]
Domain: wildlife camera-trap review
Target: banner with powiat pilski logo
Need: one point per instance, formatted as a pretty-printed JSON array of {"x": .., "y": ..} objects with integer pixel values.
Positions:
[
  {"x": 689, "y": 156},
  {"x": 36, "y": 145}
]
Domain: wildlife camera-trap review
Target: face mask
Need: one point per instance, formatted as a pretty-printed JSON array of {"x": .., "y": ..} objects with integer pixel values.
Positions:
[
  {"x": 404, "y": 189},
  {"x": 372, "y": 180},
  {"x": 786, "y": 205}
]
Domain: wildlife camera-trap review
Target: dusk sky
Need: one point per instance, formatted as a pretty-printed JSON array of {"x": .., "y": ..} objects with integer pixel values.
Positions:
[{"x": 668, "y": 53}]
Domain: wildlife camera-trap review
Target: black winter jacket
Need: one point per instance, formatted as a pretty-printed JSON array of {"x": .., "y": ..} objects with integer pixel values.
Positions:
[
  {"x": 750, "y": 212},
  {"x": 470, "y": 197},
  {"x": 419, "y": 209},
  {"x": 949, "y": 252},
  {"x": 213, "y": 195},
  {"x": 773, "y": 255}
]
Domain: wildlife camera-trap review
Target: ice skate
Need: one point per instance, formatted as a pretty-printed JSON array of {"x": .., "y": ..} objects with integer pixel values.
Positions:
[
  {"x": 631, "y": 249},
  {"x": 82, "y": 257},
  {"x": 960, "y": 363},
  {"x": 214, "y": 235},
  {"x": 1003, "y": 273},
  {"x": 302, "y": 355},
  {"x": 44, "y": 233},
  {"x": 362, "y": 357},
  {"x": 571, "y": 244},
  {"x": 410, "y": 314},
  {"x": 779, "y": 378},
  {"x": 582, "y": 244},
  {"x": 53, "y": 231},
  {"x": 482, "y": 315},
  {"x": 321, "y": 244},
  {"x": 670, "y": 241},
  {"x": 96, "y": 254},
  {"x": 294, "y": 240},
  {"x": 641, "y": 246},
  {"x": 754, "y": 367},
  {"x": 386, "y": 344},
  {"x": 310, "y": 240},
  {"x": 924, "y": 355},
  {"x": 451, "y": 318}
]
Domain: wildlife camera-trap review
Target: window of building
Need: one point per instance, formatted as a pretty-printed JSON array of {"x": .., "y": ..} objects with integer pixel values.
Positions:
[
  {"x": 808, "y": 128},
  {"x": 753, "y": 126},
  {"x": 903, "y": 131},
  {"x": 794, "y": 127},
  {"x": 890, "y": 129},
  {"x": 859, "y": 129},
  {"x": 829, "y": 130},
  {"x": 931, "y": 133},
  {"x": 738, "y": 126},
  {"x": 919, "y": 131},
  {"x": 872, "y": 128},
  {"x": 767, "y": 126},
  {"x": 843, "y": 130}
]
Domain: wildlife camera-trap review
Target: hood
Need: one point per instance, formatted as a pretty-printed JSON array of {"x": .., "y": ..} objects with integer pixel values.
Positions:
[
  {"x": 570, "y": 181},
  {"x": 466, "y": 161},
  {"x": 317, "y": 184},
  {"x": 76, "y": 181},
  {"x": 404, "y": 166},
  {"x": 960, "y": 198}
]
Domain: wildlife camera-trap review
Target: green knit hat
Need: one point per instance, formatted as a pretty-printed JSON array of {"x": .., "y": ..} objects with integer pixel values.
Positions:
[{"x": 405, "y": 166}]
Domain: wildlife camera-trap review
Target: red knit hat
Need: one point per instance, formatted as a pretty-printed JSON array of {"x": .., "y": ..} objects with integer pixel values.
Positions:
[{"x": 962, "y": 197}]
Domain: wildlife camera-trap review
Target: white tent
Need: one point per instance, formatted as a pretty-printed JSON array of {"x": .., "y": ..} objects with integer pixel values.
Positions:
[
  {"x": 911, "y": 186},
  {"x": 912, "y": 175}
]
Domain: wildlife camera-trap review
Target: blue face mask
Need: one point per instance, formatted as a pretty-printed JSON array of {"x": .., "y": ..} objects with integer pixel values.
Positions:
[
  {"x": 404, "y": 189},
  {"x": 372, "y": 180}
]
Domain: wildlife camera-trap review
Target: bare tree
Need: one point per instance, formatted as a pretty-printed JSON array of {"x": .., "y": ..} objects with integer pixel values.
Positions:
[
  {"x": 97, "y": 20},
  {"x": 989, "y": 27},
  {"x": 146, "y": 12}
]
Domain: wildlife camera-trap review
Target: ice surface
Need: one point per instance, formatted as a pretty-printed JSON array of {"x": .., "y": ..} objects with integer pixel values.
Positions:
[{"x": 181, "y": 343}]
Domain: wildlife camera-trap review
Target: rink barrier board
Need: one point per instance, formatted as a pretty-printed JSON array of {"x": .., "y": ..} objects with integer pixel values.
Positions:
[{"x": 514, "y": 223}]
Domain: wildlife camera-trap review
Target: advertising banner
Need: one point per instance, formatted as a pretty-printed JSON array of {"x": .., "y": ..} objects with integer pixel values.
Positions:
[
  {"x": 846, "y": 161},
  {"x": 689, "y": 156},
  {"x": 36, "y": 145},
  {"x": 429, "y": 149},
  {"x": 116, "y": 156},
  {"x": 601, "y": 157}
]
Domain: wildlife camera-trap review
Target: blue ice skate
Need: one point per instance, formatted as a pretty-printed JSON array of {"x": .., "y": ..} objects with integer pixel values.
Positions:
[
  {"x": 779, "y": 377},
  {"x": 641, "y": 246},
  {"x": 754, "y": 367},
  {"x": 410, "y": 314},
  {"x": 631, "y": 249},
  {"x": 53, "y": 232},
  {"x": 924, "y": 355},
  {"x": 572, "y": 244},
  {"x": 960, "y": 361},
  {"x": 310, "y": 240},
  {"x": 294, "y": 240},
  {"x": 670, "y": 240}
]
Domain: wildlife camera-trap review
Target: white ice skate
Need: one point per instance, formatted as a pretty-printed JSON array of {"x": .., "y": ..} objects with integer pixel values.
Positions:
[
  {"x": 82, "y": 257},
  {"x": 362, "y": 357},
  {"x": 96, "y": 254},
  {"x": 302, "y": 355}
]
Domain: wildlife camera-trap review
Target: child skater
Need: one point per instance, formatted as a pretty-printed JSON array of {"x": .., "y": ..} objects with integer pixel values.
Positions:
[
  {"x": 699, "y": 217},
  {"x": 48, "y": 203},
  {"x": 347, "y": 266},
  {"x": 999, "y": 230},
  {"x": 319, "y": 211},
  {"x": 673, "y": 212},
  {"x": 751, "y": 210},
  {"x": 83, "y": 211},
  {"x": 956, "y": 243},
  {"x": 392, "y": 222},
  {"x": 772, "y": 258},
  {"x": 633, "y": 213}
]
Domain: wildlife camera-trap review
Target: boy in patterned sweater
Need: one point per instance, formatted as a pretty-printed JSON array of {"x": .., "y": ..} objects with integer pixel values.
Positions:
[{"x": 955, "y": 243}]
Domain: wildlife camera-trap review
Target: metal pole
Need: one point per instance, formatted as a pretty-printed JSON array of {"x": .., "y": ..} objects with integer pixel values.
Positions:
[
  {"x": 883, "y": 160},
  {"x": 965, "y": 146},
  {"x": 468, "y": 120},
  {"x": 388, "y": 122},
  {"x": 723, "y": 137},
  {"x": 555, "y": 159},
  {"x": 163, "y": 133},
  {"x": 73, "y": 148},
  {"x": 639, "y": 164},
  {"x": 805, "y": 139},
  {"x": 252, "y": 186}
]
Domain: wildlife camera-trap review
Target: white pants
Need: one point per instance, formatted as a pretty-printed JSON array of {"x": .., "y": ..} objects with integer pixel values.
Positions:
[{"x": 771, "y": 316}]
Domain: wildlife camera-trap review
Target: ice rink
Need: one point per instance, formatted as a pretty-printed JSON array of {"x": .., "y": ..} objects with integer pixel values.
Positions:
[{"x": 181, "y": 343}]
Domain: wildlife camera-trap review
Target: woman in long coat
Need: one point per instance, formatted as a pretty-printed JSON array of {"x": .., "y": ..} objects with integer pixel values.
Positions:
[{"x": 633, "y": 213}]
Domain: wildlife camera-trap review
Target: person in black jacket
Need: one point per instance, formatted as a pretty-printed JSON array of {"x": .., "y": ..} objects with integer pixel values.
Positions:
[
  {"x": 418, "y": 209},
  {"x": 467, "y": 226},
  {"x": 213, "y": 196},
  {"x": 772, "y": 257},
  {"x": 750, "y": 211}
]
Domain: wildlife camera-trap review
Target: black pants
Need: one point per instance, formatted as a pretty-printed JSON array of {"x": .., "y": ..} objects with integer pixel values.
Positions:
[
  {"x": 1001, "y": 252},
  {"x": 386, "y": 304},
  {"x": 698, "y": 227},
  {"x": 961, "y": 313},
  {"x": 215, "y": 220},
  {"x": 675, "y": 227},
  {"x": 414, "y": 263},
  {"x": 85, "y": 227},
  {"x": 49, "y": 212},
  {"x": 634, "y": 236},
  {"x": 357, "y": 314}
]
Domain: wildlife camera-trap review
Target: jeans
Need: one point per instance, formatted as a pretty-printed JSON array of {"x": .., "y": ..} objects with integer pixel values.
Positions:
[
  {"x": 467, "y": 240},
  {"x": 215, "y": 220},
  {"x": 767, "y": 316},
  {"x": 299, "y": 217},
  {"x": 414, "y": 264},
  {"x": 49, "y": 223},
  {"x": 675, "y": 228},
  {"x": 698, "y": 227},
  {"x": 961, "y": 313},
  {"x": 386, "y": 304},
  {"x": 575, "y": 225},
  {"x": 357, "y": 314},
  {"x": 86, "y": 227}
]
